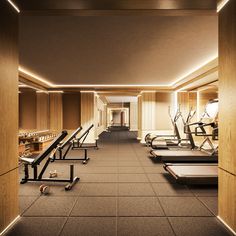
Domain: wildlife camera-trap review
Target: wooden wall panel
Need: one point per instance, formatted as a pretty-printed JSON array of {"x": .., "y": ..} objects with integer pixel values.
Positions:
[
  {"x": 149, "y": 111},
  {"x": 9, "y": 114},
  {"x": 163, "y": 102},
  {"x": 133, "y": 116},
  {"x": 227, "y": 113},
  {"x": 9, "y": 206},
  {"x": 139, "y": 117},
  {"x": 87, "y": 114},
  {"x": 71, "y": 110},
  {"x": 28, "y": 110},
  {"x": 227, "y": 87},
  {"x": 55, "y": 110},
  {"x": 42, "y": 111},
  {"x": 227, "y": 198}
]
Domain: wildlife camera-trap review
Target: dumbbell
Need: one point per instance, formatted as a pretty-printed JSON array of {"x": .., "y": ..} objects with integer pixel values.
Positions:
[
  {"x": 53, "y": 174},
  {"x": 44, "y": 189}
]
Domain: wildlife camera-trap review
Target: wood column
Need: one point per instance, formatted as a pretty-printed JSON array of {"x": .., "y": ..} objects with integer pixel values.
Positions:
[
  {"x": 88, "y": 114},
  {"x": 9, "y": 115},
  {"x": 55, "y": 108},
  {"x": 139, "y": 117},
  {"x": 227, "y": 114},
  {"x": 133, "y": 116},
  {"x": 148, "y": 113},
  {"x": 42, "y": 111}
]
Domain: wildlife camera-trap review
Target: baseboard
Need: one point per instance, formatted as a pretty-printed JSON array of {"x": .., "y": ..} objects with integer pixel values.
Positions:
[
  {"x": 10, "y": 225},
  {"x": 226, "y": 225},
  {"x": 133, "y": 130}
]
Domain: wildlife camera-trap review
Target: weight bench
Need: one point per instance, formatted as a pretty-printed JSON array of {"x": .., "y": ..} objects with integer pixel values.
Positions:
[
  {"x": 79, "y": 143},
  {"x": 48, "y": 153}
]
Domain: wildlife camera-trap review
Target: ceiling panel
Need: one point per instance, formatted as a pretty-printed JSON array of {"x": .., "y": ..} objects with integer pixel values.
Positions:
[{"x": 116, "y": 49}]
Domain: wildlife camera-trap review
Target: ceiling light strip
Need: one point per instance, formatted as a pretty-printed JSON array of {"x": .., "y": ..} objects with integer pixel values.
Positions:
[
  {"x": 221, "y": 5},
  {"x": 30, "y": 74},
  {"x": 14, "y": 6},
  {"x": 194, "y": 70}
]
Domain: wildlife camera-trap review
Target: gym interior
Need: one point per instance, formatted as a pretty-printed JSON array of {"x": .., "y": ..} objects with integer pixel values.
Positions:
[{"x": 118, "y": 117}]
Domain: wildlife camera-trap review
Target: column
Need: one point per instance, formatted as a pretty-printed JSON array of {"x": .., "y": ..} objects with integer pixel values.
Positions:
[
  {"x": 87, "y": 114},
  {"x": 227, "y": 114},
  {"x": 55, "y": 110},
  {"x": 9, "y": 181}
]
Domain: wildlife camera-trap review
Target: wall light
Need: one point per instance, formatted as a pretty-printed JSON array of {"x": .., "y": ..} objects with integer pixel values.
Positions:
[
  {"x": 14, "y": 6},
  {"x": 221, "y": 5}
]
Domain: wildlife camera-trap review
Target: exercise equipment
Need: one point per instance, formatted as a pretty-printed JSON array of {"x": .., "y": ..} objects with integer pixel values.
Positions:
[
  {"x": 44, "y": 189},
  {"x": 188, "y": 142},
  {"x": 47, "y": 154},
  {"x": 198, "y": 154},
  {"x": 198, "y": 173},
  {"x": 173, "y": 138},
  {"x": 79, "y": 142},
  {"x": 68, "y": 144}
]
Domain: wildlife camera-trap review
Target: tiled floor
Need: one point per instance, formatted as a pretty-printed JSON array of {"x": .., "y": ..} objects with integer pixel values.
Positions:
[{"x": 121, "y": 192}]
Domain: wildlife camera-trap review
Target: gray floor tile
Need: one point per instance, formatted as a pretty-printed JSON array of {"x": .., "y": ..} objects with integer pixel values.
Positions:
[
  {"x": 95, "y": 206},
  {"x": 129, "y": 163},
  {"x": 98, "y": 178},
  {"x": 37, "y": 226},
  {"x": 167, "y": 189},
  {"x": 25, "y": 202},
  {"x": 160, "y": 178},
  {"x": 195, "y": 226},
  {"x": 90, "y": 226},
  {"x": 99, "y": 189},
  {"x": 211, "y": 203},
  {"x": 157, "y": 169},
  {"x": 139, "y": 206},
  {"x": 183, "y": 206},
  {"x": 51, "y": 206},
  {"x": 138, "y": 178},
  {"x": 204, "y": 190},
  {"x": 130, "y": 170},
  {"x": 144, "y": 226},
  {"x": 135, "y": 189}
]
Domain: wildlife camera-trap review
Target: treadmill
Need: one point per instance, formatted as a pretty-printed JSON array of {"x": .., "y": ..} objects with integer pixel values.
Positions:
[
  {"x": 178, "y": 142},
  {"x": 200, "y": 154},
  {"x": 197, "y": 173},
  {"x": 190, "y": 174}
]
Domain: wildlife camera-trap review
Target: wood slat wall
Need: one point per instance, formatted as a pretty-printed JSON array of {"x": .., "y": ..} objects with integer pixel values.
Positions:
[
  {"x": 71, "y": 110},
  {"x": 42, "y": 111},
  {"x": 87, "y": 114},
  {"x": 28, "y": 110},
  {"x": 55, "y": 108},
  {"x": 227, "y": 124},
  {"x": 9, "y": 114}
]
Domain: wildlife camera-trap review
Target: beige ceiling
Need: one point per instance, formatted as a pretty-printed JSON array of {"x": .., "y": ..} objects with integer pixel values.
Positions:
[{"x": 116, "y": 49}]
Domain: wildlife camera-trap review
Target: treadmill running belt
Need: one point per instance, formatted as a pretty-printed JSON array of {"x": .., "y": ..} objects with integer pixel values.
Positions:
[{"x": 194, "y": 173}]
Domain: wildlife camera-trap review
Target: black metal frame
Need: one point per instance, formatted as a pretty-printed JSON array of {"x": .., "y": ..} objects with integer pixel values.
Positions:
[
  {"x": 79, "y": 143},
  {"x": 34, "y": 164}
]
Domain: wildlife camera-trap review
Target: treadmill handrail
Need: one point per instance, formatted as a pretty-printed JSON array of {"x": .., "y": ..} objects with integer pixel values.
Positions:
[
  {"x": 71, "y": 137},
  {"x": 50, "y": 148}
]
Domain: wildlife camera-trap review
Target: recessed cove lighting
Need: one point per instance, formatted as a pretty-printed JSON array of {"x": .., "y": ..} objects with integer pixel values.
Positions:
[
  {"x": 56, "y": 91},
  {"x": 30, "y": 74},
  {"x": 195, "y": 69},
  {"x": 14, "y": 6},
  {"x": 221, "y": 5}
]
